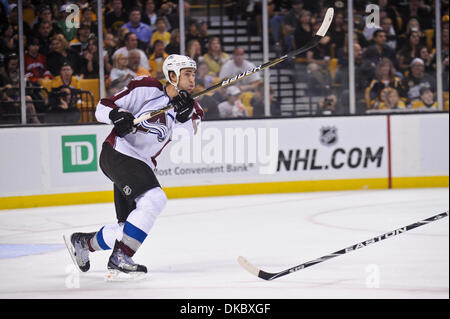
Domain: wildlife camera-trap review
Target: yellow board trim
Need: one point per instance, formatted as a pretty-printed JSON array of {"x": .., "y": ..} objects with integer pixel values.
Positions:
[
  {"x": 229, "y": 190},
  {"x": 420, "y": 182}
]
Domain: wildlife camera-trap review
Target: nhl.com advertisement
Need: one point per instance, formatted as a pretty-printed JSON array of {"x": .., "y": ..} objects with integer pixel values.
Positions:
[{"x": 297, "y": 149}]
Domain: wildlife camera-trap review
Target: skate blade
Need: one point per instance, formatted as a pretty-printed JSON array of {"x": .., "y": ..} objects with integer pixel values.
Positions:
[
  {"x": 71, "y": 251},
  {"x": 116, "y": 275}
]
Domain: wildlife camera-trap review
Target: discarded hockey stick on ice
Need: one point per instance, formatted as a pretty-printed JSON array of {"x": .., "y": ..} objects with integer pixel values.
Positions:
[
  {"x": 226, "y": 82},
  {"x": 270, "y": 276}
]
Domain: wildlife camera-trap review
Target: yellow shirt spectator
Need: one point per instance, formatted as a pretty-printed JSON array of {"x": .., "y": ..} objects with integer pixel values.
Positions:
[
  {"x": 164, "y": 37},
  {"x": 426, "y": 100},
  {"x": 160, "y": 33}
]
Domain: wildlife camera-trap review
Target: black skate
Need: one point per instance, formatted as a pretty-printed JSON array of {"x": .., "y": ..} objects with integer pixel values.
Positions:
[
  {"x": 79, "y": 250},
  {"x": 121, "y": 267}
]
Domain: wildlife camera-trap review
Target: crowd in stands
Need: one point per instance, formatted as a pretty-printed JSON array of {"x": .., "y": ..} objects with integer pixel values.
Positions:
[{"x": 395, "y": 63}]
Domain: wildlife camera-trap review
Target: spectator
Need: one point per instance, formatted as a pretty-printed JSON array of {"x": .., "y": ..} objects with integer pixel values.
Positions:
[
  {"x": 421, "y": 11},
  {"x": 90, "y": 60},
  {"x": 280, "y": 10},
  {"x": 238, "y": 65},
  {"x": 62, "y": 106},
  {"x": 233, "y": 106},
  {"x": 428, "y": 59},
  {"x": 81, "y": 41},
  {"x": 379, "y": 49},
  {"x": 174, "y": 46},
  {"x": 257, "y": 102},
  {"x": 391, "y": 13},
  {"x": 390, "y": 100},
  {"x": 215, "y": 58},
  {"x": 203, "y": 36},
  {"x": 364, "y": 73},
  {"x": 203, "y": 78},
  {"x": 110, "y": 46},
  {"x": 445, "y": 63},
  {"x": 192, "y": 31},
  {"x": 339, "y": 30},
  {"x": 156, "y": 60},
  {"x": 208, "y": 103},
  {"x": 122, "y": 33},
  {"x": 384, "y": 77},
  {"x": 120, "y": 74},
  {"x": 166, "y": 11},
  {"x": 409, "y": 51},
  {"x": 418, "y": 79},
  {"x": 194, "y": 50},
  {"x": 412, "y": 26},
  {"x": 45, "y": 14},
  {"x": 66, "y": 77},
  {"x": 131, "y": 43},
  {"x": 318, "y": 60},
  {"x": 8, "y": 41},
  {"x": 291, "y": 23},
  {"x": 86, "y": 19},
  {"x": 115, "y": 18},
  {"x": 134, "y": 60},
  {"x": 68, "y": 31},
  {"x": 142, "y": 30},
  {"x": 328, "y": 105},
  {"x": 149, "y": 17},
  {"x": 387, "y": 26},
  {"x": 14, "y": 19},
  {"x": 161, "y": 32},
  {"x": 426, "y": 100},
  {"x": 10, "y": 108},
  {"x": 44, "y": 34},
  {"x": 60, "y": 52},
  {"x": 304, "y": 31},
  {"x": 35, "y": 63}
]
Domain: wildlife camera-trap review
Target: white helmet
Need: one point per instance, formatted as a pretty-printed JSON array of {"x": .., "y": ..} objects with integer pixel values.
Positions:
[{"x": 175, "y": 63}]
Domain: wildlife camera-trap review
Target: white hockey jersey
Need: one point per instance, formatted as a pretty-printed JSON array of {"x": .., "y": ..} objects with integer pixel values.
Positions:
[{"x": 144, "y": 95}]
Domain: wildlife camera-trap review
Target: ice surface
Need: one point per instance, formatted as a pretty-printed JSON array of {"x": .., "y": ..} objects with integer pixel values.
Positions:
[{"x": 191, "y": 252}]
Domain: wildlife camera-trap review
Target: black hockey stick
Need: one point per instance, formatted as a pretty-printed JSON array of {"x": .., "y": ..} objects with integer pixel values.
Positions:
[
  {"x": 270, "y": 276},
  {"x": 226, "y": 82}
]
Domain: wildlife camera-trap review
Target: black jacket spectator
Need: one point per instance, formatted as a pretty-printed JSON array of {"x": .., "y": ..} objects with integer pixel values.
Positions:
[{"x": 379, "y": 49}]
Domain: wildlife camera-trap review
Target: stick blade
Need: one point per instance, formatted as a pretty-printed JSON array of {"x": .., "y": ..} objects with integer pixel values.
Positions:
[
  {"x": 248, "y": 266},
  {"x": 326, "y": 22},
  {"x": 255, "y": 270}
]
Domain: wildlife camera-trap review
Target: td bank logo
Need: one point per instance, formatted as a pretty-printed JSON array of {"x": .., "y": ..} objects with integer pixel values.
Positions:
[{"x": 79, "y": 153}]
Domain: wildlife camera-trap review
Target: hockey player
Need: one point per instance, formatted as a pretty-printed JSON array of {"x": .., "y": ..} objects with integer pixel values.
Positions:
[{"x": 128, "y": 158}]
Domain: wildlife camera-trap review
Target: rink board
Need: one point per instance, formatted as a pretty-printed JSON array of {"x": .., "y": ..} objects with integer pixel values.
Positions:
[{"x": 59, "y": 165}]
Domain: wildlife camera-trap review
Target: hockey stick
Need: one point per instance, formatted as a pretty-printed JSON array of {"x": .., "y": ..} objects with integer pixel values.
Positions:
[
  {"x": 270, "y": 276},
  {"x": 226, "y": 82}
]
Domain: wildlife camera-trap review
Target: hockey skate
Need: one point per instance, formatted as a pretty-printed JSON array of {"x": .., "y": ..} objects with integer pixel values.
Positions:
[
  {"x": 78, "y": 249},
  {"x": 121, "y": 267}
]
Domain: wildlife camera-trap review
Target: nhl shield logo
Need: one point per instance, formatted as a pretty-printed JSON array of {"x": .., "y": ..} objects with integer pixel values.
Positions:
[
  {"x": 328, "y": 135},
  {"x": 127, "y": 190}
]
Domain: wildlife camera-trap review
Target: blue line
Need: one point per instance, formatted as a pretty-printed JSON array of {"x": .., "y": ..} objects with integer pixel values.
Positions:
[{"x": 22, "y": 250}]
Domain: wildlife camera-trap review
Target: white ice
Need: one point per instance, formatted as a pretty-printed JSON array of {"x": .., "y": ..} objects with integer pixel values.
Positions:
[{"x": 191, "y": 252}]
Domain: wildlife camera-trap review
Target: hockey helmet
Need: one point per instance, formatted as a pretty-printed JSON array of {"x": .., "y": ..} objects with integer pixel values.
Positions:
[{"x": 176, "y": 63}]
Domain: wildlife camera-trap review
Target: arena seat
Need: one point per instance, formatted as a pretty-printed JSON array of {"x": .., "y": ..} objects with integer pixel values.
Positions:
[
  {"x": 91, "y": 85},
  {"x": 334, "y": 63},
  {"x": 429, "y": 36}
]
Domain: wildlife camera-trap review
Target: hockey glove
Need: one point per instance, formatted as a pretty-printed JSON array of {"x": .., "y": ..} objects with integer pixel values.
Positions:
[
  {"x": 123, "y": 121},
  {"x": 183, "y": 104}
]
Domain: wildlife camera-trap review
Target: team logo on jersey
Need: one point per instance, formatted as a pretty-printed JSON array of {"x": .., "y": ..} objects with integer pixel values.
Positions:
[
  {"x": 156, "y": 125},
  {"x": 328, "y": 135}
]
